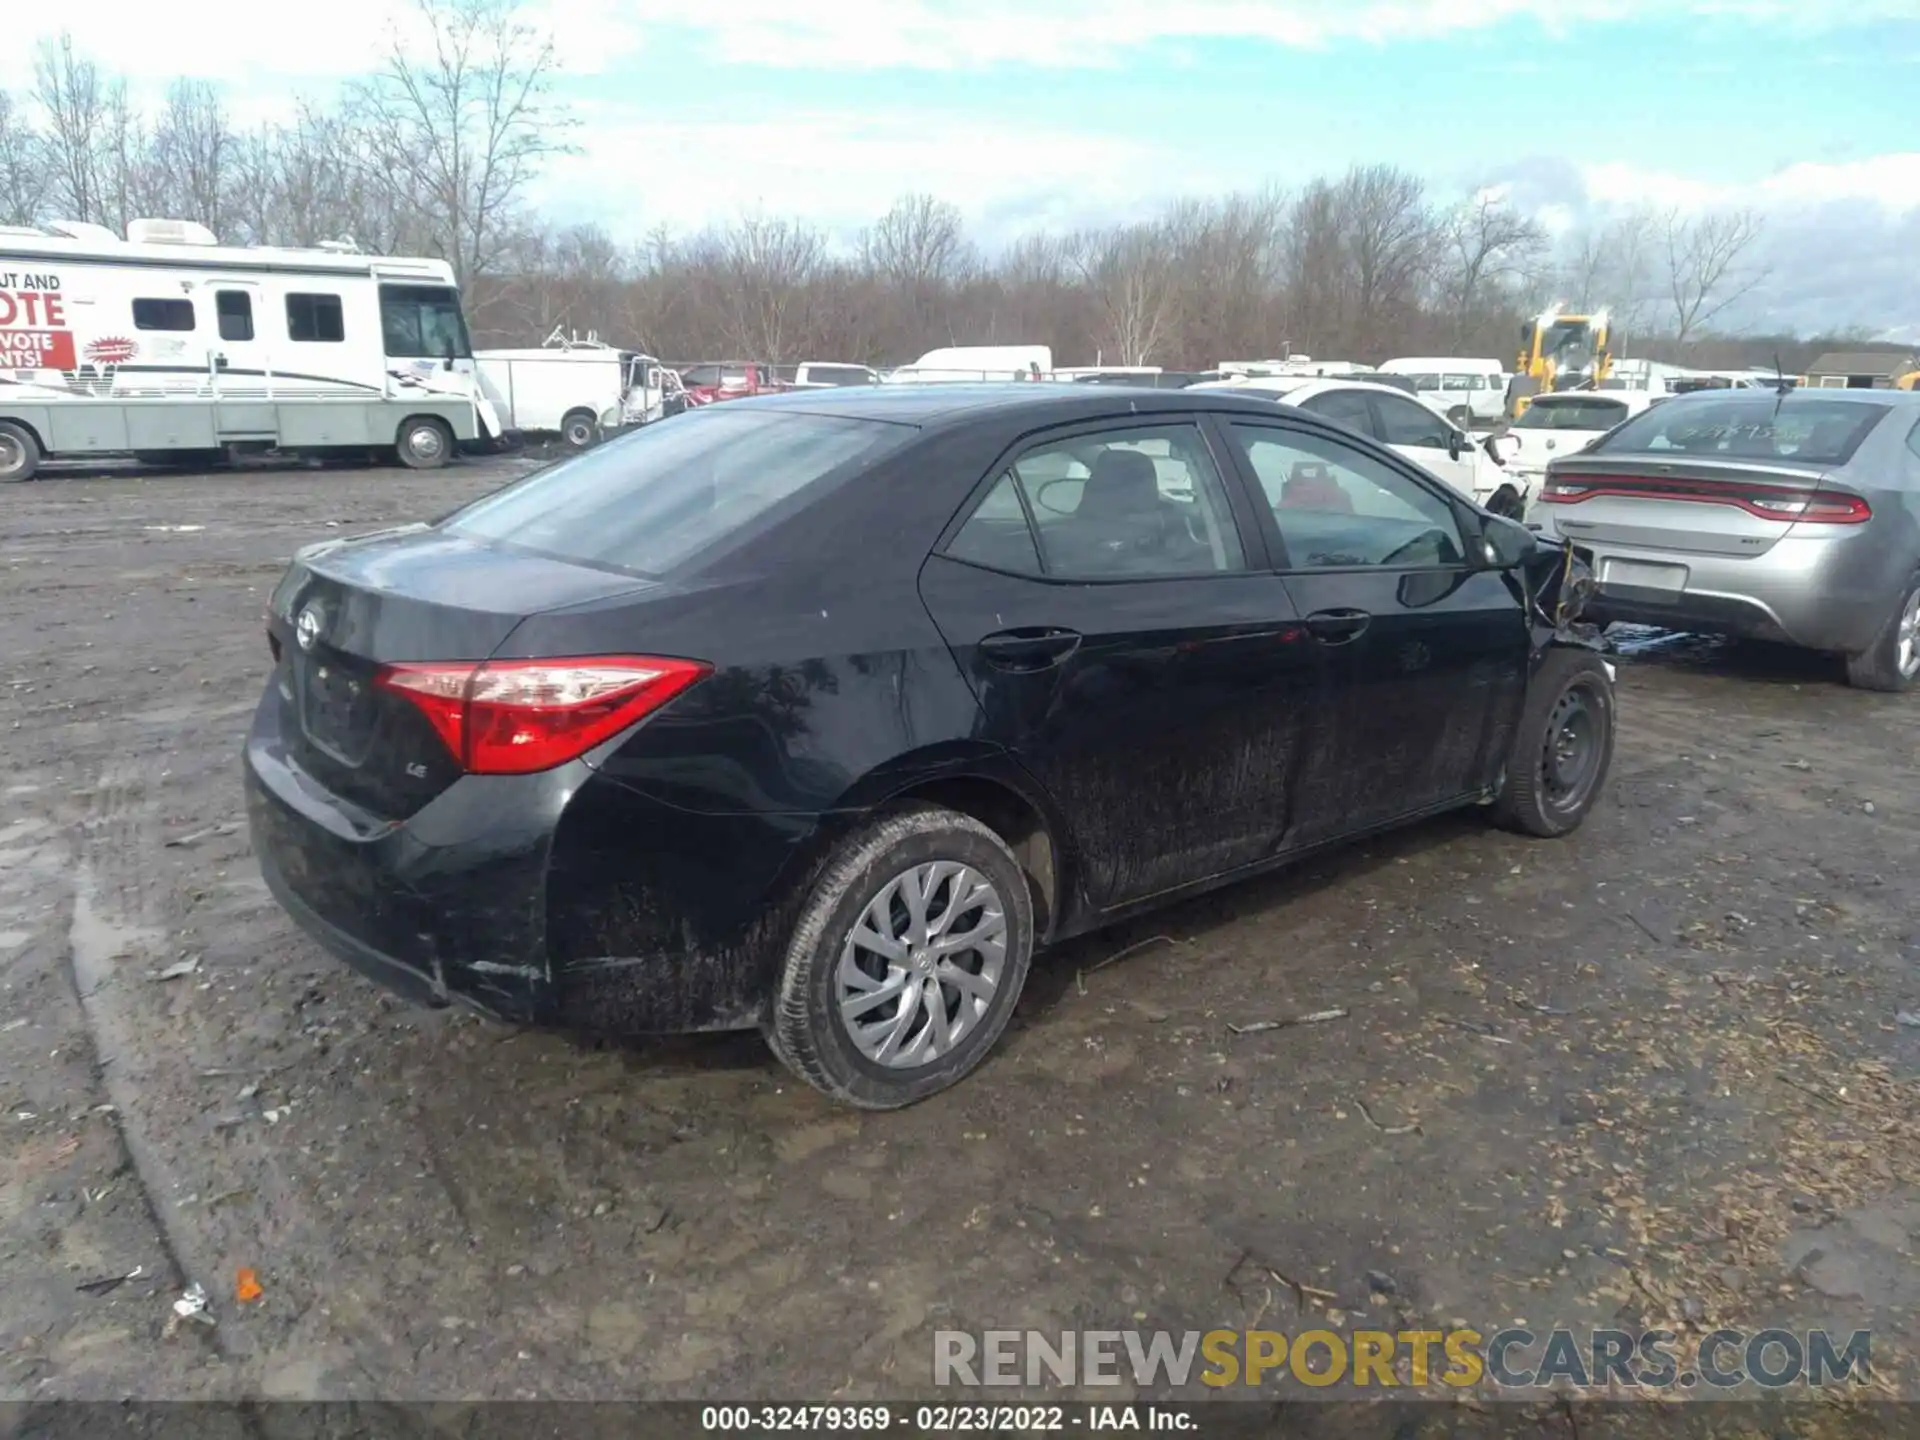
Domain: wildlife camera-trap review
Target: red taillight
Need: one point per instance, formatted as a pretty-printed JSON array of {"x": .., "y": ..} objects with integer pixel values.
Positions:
[
  {"x": 1769, "y": 502},
  {"x": 513, "y": 717}
]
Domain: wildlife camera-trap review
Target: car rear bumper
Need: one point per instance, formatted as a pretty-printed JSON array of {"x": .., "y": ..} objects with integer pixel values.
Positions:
[
  {"x": 1812, "y": 592},
  {"x": 563, "y": 900}
]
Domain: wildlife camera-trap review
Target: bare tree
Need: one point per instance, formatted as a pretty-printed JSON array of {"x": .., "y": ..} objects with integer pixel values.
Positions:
[
  {"x": 23, "y": 166},
  {"x": 195, "y": 152},
  {"x": 460, "y": 133},
  {"x": 1487, "y": 245},
  {"x": 1389, "y": 237},
  {"x": 920, "y": 241},
  {"x": 74, "y": 100},
  {"x": 1131, "y": 275},
  {"x": 766, "y": 268},
  {"x": 1705, "y": 273}
]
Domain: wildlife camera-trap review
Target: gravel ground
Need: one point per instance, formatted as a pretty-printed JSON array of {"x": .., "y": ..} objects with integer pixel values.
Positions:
[{"x": 1651, "y": 1073}]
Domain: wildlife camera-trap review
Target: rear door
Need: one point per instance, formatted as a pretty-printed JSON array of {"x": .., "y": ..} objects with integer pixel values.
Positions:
[
  {"x": 1109, "y": 599},
  {"x": 1344, "y": 407},
  {"x": 1423, "y": 658}
]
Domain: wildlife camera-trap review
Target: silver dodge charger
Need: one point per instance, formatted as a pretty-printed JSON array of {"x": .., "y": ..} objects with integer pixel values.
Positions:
[{"x": 1791, "y": 517}]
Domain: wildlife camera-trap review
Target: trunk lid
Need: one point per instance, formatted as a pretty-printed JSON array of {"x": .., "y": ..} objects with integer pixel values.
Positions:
[
  {"x": 347, "y": 608},
  {"x": 1689, "y": 507}
]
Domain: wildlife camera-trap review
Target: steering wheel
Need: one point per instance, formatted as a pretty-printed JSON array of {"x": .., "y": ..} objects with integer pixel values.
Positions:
[{"x": 1436, "y": 537}]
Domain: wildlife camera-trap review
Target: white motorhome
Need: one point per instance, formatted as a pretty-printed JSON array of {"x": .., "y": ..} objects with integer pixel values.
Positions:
[
  {"x": 1468, "y": 389},
  {"x": 976, "y": 363},
  {"x": 168, "y": 345},
  {"x": 577, "y": 389}
]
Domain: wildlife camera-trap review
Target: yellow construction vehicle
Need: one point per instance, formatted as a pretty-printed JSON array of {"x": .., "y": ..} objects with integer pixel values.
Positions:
[
  {"x": 1908, "y": 381},
  {"x": 1559, "y": 351}
]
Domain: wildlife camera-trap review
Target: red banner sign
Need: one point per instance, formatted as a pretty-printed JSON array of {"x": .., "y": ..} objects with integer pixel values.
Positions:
[{"x": 37, "y": 350}]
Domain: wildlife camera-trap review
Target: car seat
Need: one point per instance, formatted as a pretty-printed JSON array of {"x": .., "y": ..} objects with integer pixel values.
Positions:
[{"x": 1311, "y": 486}]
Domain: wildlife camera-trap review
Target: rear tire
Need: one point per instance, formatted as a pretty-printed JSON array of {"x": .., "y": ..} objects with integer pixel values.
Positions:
[
  {"x": 1892, "y": 662},
  {"x": 579, "y": 429},
  {"x": 424, "y": 443},
  {"x": 1562, "y": 748},
  {"x": 901, "y": 882},
  {"x": 19, "y": 453}
]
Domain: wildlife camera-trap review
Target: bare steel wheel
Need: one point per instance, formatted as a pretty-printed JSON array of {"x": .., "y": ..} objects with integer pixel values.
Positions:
[
  {"x": 1562, "y": 747},
  {"x": 922, "y": 964},
  {"x": 906, "y": 959}
]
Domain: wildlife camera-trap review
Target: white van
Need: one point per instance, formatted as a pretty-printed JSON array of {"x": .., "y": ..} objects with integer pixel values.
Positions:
[
  {"x": 976, "y": 363},
  {"x": 1469, "y": 390}
]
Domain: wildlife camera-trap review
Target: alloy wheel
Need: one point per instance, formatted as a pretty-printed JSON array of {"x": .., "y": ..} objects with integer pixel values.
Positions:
[{"x": 922, "y": 965}]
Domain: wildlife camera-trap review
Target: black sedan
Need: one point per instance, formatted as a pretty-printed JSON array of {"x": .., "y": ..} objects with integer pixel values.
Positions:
[{"x": 819, "y": 713}]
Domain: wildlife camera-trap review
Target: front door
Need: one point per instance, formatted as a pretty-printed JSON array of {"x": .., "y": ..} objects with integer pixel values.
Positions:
[
  {"x": 1427, "y": 439},
  {"x": 238, "y": 369},
  {"x": 1424, "y": 658},
  {"x": 1130, "y": 647}
]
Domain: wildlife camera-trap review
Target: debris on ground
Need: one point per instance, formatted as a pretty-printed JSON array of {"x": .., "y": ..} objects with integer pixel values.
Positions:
[
  {"x": 1908, "y": 1018},
  {"x": 107, "y": 1284},
  {"x": 225, "y": 827},
  {"x": 1080, "y": 976},
  {"x": 1260, "y": 1027},
  {"x": 176, "y": 972},
  {"x": 190, "y": 1308},
  {"x": 246, "y": 1285}
]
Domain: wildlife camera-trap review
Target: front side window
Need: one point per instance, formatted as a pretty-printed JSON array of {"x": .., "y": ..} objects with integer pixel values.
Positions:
[
  {"x": 698, "y": 375},
  {"x": 316, "y": 319},
  {"x": 423, "y": 322},
  {"x": 1404, "y": 422},
  {"x": 163, "y": 315},
  {"x": 651, "y": 501},
  {"x": 1133, "y": 503},
  {"x": 1339, "y": 508}
]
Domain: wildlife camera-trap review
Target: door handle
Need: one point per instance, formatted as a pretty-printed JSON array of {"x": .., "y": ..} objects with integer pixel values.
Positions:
[
  {"x": 1338, "y": 627},
  {"x": 1035, "y": 647}
]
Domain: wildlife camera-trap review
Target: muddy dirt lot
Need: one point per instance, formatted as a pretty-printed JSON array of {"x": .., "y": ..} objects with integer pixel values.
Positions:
[{"x": 1653, "y": 1072}]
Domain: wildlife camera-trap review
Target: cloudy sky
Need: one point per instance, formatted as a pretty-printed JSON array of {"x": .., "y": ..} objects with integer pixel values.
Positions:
[{"x": 1062, "y": 112}]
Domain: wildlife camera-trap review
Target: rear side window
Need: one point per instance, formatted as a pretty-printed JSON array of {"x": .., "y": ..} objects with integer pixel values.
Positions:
[
  {"x": 651, "y": 501},
  {"x": 1756, "y": 427},
  {"x": 1123, "y": 504},
  {"x": 315, "y": 318},
  {"x": 1344, "y": 407},
  {"x": 163, "y": 315}
]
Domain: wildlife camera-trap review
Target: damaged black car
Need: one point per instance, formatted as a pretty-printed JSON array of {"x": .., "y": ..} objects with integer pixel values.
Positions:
[{"x": 822, "y": 713}]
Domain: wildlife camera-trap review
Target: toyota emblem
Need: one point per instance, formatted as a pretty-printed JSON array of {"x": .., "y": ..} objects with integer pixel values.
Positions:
[{"x": 306, "y": 629}]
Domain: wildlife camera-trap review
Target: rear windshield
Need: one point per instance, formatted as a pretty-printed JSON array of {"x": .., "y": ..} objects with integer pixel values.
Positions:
[
  {"x": 1582, "y": 414},
  {"x": 1749, "y": 426},
  {"x": 649, "y": 501}
]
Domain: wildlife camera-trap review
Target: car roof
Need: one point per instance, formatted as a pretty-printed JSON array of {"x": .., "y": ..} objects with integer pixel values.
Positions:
[{"x": 1045, "y": 401}]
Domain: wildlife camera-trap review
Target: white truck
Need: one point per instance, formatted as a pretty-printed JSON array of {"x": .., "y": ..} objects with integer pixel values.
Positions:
[
  {"x": 964, "y": 364},
  {"x": 171, "y": 347},
  {"x": 580, "y": 390}
]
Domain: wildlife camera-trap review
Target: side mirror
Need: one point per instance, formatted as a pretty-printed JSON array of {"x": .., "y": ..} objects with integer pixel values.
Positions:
[
  {"x": 1502, "y": 544},
  {"x": 1456, "y": 443},
  {"x": 1502, "y": 448}
]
